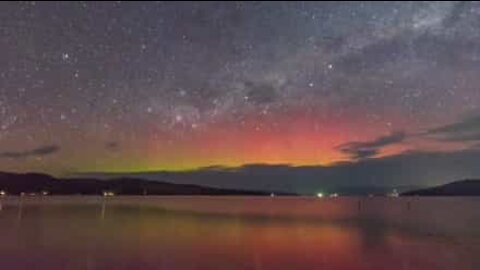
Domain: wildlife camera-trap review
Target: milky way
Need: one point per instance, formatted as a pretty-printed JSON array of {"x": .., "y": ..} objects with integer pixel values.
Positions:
[{"x": 146, "y": 86}]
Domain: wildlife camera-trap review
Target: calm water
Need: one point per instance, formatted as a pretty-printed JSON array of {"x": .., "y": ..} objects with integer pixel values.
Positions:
[{"x": 239, "y": 233}]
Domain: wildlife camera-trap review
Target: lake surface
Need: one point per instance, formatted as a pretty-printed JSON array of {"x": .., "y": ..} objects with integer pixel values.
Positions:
[{"x": 239, "y": 233}]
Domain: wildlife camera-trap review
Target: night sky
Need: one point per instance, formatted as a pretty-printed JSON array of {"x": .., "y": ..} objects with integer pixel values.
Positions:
[{"x": 134, "y": 87}]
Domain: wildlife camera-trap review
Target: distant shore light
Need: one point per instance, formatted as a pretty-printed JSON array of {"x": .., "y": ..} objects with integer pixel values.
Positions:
[
  {"x": 108, "y": 194},
  {"x": 320, "y": 195},
  {"x": 394, "y": 193}
]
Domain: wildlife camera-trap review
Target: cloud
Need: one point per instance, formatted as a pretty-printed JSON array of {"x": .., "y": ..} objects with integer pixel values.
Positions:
[
  {"x": 362, "y": 150},
  {"x": 466, "y": 130},
  {"x": 37, "y": 152}
]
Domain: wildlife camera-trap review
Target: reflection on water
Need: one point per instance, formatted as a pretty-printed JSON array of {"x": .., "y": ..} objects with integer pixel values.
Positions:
[{"x": 239, "y": 233}]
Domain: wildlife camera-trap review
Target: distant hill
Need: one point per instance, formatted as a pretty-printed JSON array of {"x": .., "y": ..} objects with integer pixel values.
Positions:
[
  {"x": 307, "y": 180},
  {"x": 459, "y": 188},
  {"x": 13, "y": 183}
]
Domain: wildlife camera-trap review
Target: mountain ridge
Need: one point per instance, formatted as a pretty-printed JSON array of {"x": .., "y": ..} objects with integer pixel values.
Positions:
[
  {"x": 466, "y": 187},
  {"x": 18, "y": 183}
]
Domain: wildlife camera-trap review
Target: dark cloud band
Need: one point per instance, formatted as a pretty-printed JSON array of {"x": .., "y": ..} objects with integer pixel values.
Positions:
[
  {"x": 37, "y": 152},
  {"x": 361, "y": 150}
]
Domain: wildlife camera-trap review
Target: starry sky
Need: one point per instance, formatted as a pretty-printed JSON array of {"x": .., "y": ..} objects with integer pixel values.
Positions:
[{"x": 132, "y": 86}]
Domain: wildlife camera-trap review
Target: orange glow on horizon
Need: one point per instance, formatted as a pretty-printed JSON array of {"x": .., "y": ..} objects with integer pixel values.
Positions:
[{"x": 290, "y": 138}]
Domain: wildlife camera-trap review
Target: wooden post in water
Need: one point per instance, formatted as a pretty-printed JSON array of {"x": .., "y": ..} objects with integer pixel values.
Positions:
[
  {"x": 359, "y": 205},
  {"x": 20, "y": 207},
  {"x": 104, "y": 208}
]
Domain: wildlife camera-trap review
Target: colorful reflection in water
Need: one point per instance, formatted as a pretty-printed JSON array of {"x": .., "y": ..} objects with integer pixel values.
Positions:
[{"x": 239, "y": 233}]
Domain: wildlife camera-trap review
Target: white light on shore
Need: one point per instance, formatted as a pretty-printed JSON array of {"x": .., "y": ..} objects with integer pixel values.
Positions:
[
  {"x": 108, "y": 194},
  {"x": 393, "y": 194},
  {"x": 2, "y": 193},
  {"x": 320, "y": 195}
]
